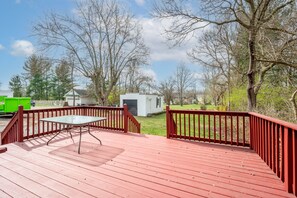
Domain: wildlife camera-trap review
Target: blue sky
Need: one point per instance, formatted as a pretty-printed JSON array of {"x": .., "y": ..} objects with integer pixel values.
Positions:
[{"x": 16, "y": 42}]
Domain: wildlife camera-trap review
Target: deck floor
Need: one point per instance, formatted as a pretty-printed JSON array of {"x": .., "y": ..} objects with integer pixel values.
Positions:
[{"x": 133, "y": 165}]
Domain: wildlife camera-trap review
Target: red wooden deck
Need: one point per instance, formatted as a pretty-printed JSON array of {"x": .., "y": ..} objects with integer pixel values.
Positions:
[{"x": 133, "y": 165}]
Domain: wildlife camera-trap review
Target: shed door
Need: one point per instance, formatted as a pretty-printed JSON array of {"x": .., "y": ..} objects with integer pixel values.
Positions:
[{"x": 132, "y": 106}]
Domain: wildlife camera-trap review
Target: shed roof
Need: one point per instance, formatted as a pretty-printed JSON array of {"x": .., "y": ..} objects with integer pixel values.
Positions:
[{"x": 81, "y": 92}]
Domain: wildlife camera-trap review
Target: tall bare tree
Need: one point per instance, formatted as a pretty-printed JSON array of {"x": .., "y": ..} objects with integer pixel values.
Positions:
[
  {"x": 103, "y": 36},
  {"x": 135, "y": 80},
  {"x": 252, "y": 15},
  {"x": 166, "y": 88},
  {"x": 215, "y": 51},
  {"x": 184, "y": 79}
]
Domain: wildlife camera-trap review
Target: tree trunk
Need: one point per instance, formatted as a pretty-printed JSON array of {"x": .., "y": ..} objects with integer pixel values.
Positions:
[
  {"x": 294, "y": 104},
  {"x": 252, "y": 96}
]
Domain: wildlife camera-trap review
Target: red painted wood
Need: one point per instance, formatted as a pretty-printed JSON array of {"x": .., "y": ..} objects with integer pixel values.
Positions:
[
  {"x": 167, "y": 122},
  {"x": 282, "y": 148},
  {"x": 220, "y": 128},
  {"x": 125, "y": 118},
  {"x": 138, "y": 166},
  {"x": 273, "y": 158},
  {"x": 231, "y": 129},
  {"x": 3, "y": 149},
  {"x": 294, "y": 153},
  {"x": 214, "y": 127},
  {"x": 20, "y": 133},
  {"x": 237, "y": 130},
  {"x": 243, "y": 132},
  {"x": 209, "y": 130},
  {"x": 204, "y": 127},
  {"x": 277, "y": 127},
  {"x": 225, "y": 129},
  {"x": 269, "y": 145},
  {"x": 288, "y": 160}
]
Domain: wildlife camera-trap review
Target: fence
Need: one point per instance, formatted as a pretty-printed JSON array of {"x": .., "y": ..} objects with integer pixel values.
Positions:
[{"x": 26, "y": 123}]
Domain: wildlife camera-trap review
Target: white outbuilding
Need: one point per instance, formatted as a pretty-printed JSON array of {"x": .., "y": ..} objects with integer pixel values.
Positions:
[
  {"x": 80, "y": 96},
  {"x": 142, "y": 104}
]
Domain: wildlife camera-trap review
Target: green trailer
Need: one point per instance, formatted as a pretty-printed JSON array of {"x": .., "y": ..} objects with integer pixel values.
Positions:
[{"x": 11, "y": 105}]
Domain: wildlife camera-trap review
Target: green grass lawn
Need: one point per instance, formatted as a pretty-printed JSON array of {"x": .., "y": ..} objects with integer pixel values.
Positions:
[{"x": 156, "y": 124}]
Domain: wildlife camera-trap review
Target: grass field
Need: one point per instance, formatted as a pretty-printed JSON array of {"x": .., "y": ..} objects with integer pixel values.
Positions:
[{"x": 156, "y": 124}]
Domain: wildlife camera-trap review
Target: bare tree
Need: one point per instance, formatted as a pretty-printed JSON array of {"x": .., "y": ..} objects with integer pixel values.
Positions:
[
  {"x": 251, "y": 15},
  {"x": 135, "y": 80},
  {"x": 166, "y": 88},
  {"x": 215, "y": 52},
  {"x": 184, "y": 79},
  {"x": 103, "y": 37}
]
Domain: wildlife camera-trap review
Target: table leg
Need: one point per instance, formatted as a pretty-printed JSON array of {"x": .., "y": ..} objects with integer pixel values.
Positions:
[
  {"x": 79, "y": 140},
  {"x": 53, "y": 137},
  {"x": 94, "y": 135}
]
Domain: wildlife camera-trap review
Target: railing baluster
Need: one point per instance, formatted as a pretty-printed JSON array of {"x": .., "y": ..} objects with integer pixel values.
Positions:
[
  {"x": 282, "y": 168},
  {"x": 208, "y": 127},
  {"x": 214, "y": 127},
  {"x": 220, "y": 128},
  {"x": 204, "y": 127},
  {"x": 189, "y": 125},
  {"x": 231, "y": 127},
  {"x": 194, "y": 126},
  {"x": 199, "y": 126},
  {"x": 243, "y": 131},
  {"x": 226, "y": 129},
  {"x": 237, "y": 130}
]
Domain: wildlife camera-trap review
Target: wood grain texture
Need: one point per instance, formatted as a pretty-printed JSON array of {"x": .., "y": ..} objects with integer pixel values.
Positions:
[{"x": 133, "y": 165}]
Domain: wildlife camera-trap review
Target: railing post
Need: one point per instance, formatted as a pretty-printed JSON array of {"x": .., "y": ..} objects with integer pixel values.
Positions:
[
  {"x": 125, "y": 118},
  {"x": 168, "y": 121},
  {"x": 251, "y": 125},
  {"x": 20, "y": 134}
]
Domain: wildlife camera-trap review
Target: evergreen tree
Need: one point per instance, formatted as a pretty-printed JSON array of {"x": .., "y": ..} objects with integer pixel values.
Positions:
[
  {"x": 38, "y": 74},
  {"x": 62, "y": 80},
  {"x": 15, "y": 84}
]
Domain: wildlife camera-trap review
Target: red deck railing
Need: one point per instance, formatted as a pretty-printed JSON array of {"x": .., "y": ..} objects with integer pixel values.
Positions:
[
  {"x": 209, "y": 126},
  {"x": 274, "y": 140},
  {"x": 10, "y": 132},
  {"x": 26, "y": 124}
]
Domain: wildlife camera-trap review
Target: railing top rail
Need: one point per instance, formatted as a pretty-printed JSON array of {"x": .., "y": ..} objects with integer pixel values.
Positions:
[
  {"x": 277, "y": 121},
  {"x": 49, "y": 109},
  {"x": 103, "y": 107},
  {"x": 210, "y": 112},
  {"x": 77, "y": 107}
]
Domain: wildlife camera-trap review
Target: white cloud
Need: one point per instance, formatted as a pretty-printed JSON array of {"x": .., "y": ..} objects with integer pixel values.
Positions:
[
  {"x": 22, "y": 48},
  {"x": 1, "y": 47},
  {"x": 153, "y": 33},
  {"x": 140, "y": 2},
  {"x": 149, "y": 72},
  {"x": 17, "y": 1}
]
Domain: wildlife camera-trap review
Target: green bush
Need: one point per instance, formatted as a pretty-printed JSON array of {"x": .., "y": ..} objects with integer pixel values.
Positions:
[{"x": 203, "y": 107}]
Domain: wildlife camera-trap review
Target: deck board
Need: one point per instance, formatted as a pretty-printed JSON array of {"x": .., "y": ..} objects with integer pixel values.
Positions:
[{"x": 133, "y": 165}]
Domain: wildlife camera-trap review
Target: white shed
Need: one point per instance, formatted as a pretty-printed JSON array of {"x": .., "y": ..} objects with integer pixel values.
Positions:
[
  {"x": 142, "y": 105},
  {"x": 81, "y": 98}
]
